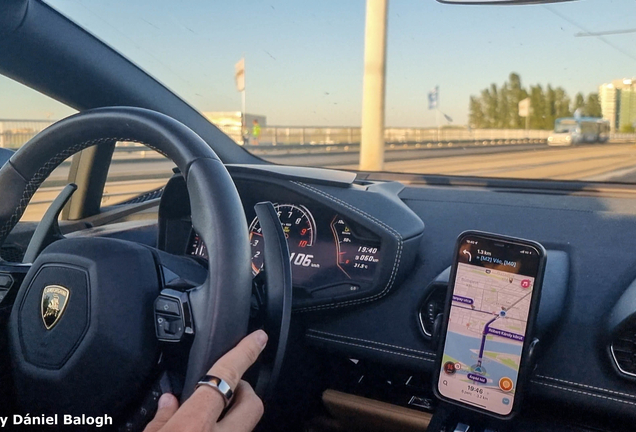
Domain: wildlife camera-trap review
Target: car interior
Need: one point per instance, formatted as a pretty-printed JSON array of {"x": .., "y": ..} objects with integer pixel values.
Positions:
[{"x": 157, "y": 287}]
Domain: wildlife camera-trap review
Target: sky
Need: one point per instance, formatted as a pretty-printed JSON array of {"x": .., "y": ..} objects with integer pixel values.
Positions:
[{"x": 304, "y": 59}]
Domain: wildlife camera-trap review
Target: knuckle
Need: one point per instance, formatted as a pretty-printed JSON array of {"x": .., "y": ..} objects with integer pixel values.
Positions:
[
  {"x": 256, "y": 404},
  {"x": 229, "y": 374}
]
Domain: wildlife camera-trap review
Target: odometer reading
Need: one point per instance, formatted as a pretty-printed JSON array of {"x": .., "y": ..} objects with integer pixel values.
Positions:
[
  {"x": 353, "y": 257},
  {"x": 300, "y": 231}
]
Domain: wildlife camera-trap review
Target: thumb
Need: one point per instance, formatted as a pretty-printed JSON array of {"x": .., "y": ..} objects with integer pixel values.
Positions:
[{"x": 168, "y": 405}]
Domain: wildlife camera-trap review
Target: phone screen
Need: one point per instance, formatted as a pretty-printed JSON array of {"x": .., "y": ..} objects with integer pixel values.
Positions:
[{"x": 486, "y": 331}]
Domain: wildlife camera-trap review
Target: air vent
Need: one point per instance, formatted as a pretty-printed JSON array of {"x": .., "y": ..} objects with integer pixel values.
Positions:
[
  {"x": 432, "y": 305},
  {"x": 623, "y": 349}
]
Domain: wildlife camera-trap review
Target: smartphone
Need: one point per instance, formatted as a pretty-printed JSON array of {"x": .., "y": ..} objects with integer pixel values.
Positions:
[{"x": 491, "y": 306}]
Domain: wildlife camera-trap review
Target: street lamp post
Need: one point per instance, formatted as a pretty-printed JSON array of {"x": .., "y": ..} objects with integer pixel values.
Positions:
[
  {"x": 630, "y": 83},
  {"x": 372, "y": 133}
]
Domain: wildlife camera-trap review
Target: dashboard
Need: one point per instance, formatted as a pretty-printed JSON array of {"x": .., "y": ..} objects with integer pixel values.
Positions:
[
  {"x": 326, "y": 250},
  {"x": 586, "y": 319},
  {"x": 338, "y": 252}
]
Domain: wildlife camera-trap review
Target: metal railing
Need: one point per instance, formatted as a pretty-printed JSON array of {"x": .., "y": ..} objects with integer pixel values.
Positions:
[
  {"x": 14, "y": 133},
  {"x": 329, "y": 136}
]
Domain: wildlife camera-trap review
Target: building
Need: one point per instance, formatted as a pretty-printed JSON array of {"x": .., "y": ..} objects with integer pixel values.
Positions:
[
  {"x": 230, "y": 123},
  {"x": 618, "y": 103}
]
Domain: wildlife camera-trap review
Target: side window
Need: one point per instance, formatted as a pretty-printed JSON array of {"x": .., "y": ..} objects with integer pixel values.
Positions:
[
  {"x": 23, "y": 113},
  {"x": 135, "y": 170}
]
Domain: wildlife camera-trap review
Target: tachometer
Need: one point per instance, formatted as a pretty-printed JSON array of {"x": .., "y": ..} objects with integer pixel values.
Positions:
[{"x": 300, "y": 231}]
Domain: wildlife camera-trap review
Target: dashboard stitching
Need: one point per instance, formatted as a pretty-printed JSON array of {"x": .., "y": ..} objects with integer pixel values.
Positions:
[
  {"x": 346, "y": 204},
  {"x": 588, "y": 386},
  {"x": 373, "y": 342},
  {"x": 372, "y": 348},
  {"x": 584, "y": 392},
  {"x": 534, "y": 381},
  {"x": 391, "y": 231}
]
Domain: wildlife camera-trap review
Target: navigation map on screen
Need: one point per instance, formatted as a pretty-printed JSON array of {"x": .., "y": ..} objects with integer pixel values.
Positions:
[{"x": 486, "y": 332}]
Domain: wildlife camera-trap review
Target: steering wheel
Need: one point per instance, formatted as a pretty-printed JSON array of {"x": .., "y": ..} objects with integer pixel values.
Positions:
[{"x": 82, "y": 330}]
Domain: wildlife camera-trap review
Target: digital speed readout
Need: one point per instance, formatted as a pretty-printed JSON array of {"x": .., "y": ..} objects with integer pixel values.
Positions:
[{"x": 324, "y": 249}]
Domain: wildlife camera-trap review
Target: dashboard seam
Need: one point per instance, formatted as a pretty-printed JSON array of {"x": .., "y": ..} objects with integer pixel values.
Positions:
[
  {"x": 372, "y": 348},
  {"x": 587, "y": 386},
  {"x": 584, "y": 392},
  {"x": 428, "y": 353},
  {"x": 391, "y": 231}
]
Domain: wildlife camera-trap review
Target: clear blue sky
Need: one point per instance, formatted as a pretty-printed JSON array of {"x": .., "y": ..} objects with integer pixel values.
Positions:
[{"x": 304, "y": 60}]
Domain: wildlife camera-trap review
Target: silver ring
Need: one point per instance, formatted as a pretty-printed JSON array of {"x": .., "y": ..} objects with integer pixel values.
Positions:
[{"x": 219, "y": 385}]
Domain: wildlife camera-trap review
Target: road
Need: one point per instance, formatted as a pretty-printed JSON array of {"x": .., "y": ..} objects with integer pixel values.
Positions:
[
  {"x": 339, "y": 158},
  {"x": 598, "y": 162}
]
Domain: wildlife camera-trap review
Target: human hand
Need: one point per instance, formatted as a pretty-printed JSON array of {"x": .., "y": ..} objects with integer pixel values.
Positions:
[{"x": 202, "y": 410}]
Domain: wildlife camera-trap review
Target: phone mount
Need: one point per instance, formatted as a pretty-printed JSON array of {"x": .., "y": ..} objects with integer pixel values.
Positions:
[{"x": 449, "y": 418}]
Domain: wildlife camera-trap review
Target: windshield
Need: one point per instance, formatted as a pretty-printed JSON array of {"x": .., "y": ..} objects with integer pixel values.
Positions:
[
  {"x": 470, "y": 90},
  {"x": 565, "y": 126}
]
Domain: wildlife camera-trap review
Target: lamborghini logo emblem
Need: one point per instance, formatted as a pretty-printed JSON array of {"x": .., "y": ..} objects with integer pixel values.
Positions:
[{"x": 54, "y": 300}]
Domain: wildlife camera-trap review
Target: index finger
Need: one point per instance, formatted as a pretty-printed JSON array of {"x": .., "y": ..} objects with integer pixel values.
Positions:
[
  {"x": 235, "y": 362},
  {"x": 204, "y": 407}
]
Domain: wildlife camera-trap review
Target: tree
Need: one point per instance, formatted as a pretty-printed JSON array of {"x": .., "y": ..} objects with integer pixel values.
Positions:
[
  {"x": 516, "y": 94},
  {"x": 593, "y": 106},
  {"x": 498, "y": 107},
  {"x": 489, "y": 104},
  {"x": 476, "y": 116},
  {"x": 538, "y": 103},
  {"x": 492, "y": 106},
  {"x": 562, "y": 103},
  {"x": 579, "y": 102},
  {"x": 504, "y": 119},
  {"x": 550, "y": 107}
]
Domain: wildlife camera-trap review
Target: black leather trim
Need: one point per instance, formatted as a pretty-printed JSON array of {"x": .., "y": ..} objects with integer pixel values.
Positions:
[
  {"x": 368, "y": 344},
  {"x": 373, "y": 348}
]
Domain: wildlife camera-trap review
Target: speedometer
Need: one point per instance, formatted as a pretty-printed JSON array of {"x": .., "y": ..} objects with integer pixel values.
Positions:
[{"x": 300, "y": 231}]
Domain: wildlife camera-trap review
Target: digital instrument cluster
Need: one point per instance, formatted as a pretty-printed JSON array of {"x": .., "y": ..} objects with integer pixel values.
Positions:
[{"x": 326, "y": 250}]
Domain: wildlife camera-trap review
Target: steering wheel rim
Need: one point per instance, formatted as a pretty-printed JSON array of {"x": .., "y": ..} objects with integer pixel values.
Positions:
[{"x": 217, "y": 215}]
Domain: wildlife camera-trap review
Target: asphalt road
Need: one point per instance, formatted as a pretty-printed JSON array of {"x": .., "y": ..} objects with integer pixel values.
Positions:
[
  {"x": 351, "y": 158},
  {"x": 614, "y": 162},
  {"x": 598, "y": 162}
]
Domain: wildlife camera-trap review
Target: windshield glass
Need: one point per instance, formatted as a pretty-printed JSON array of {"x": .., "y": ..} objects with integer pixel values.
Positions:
[
  {"x": 470, "y": 90},
  {"x": 565, "y": 126}
]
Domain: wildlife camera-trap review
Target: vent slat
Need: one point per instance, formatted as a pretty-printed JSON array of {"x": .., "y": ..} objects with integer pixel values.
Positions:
[{"x": 624, "y": 350}]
